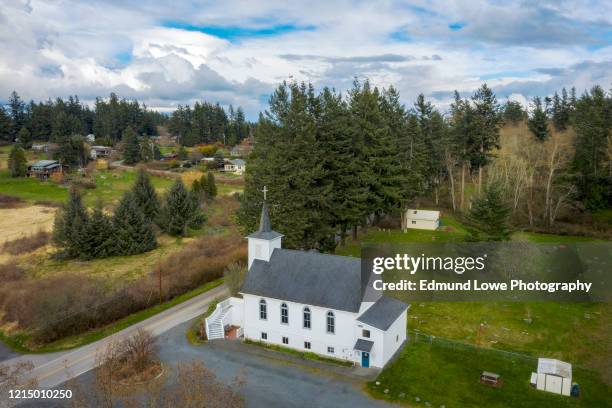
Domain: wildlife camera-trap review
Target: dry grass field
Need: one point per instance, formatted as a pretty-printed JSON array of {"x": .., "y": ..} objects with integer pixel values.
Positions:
[{"x": 24, "y": 220}]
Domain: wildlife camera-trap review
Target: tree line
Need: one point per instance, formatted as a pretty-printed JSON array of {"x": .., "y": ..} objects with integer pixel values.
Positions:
[
  {"x": 81, "y": 233},
  {"x": 208, "y": 123},
  {"x": 333, "y": 162},
  {"x": 55, "y": 120}
]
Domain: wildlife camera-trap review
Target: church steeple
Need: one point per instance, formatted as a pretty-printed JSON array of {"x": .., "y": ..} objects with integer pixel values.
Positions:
[{"x": 265, "y": 239}]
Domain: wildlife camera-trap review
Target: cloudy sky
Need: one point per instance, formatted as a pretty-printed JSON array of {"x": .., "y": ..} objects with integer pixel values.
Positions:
[{"x": 237, "y": 51}]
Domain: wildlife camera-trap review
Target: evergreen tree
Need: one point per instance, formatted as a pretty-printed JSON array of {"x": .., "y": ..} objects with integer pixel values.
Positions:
[
  {"x": 131, "y": 147},
  {"x": 538, "y": 120},
  {"x": 486, "y": 131},
  {"x": 210, "y": 186},
  {"x": 24, "y": 138},
  {"x": 17, "y": 163},
  {"x": 182, "y": 153},
  {"x": 16, "y": 106},
  {"x": 180, "y": 210},
  {"x": 6, "y": 127},
  {"x": 69, "y": 225},
  {"x": 71, "y": 151},
  {"x": 133, "y": 233},
  {"x": 514, "y": 112},
  {"x": 593, "y": 143},
  {"x": 145, "y": 195},
  {"x": 342, "y": 162},
  {"x": 98, "y": 238},
  {"x": 489, "y": 216}
]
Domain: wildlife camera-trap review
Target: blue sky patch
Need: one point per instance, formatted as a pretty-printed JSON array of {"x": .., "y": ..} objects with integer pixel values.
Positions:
[
  {"x": 456, "y": 26},
  {"x": 235, "y": 32}
]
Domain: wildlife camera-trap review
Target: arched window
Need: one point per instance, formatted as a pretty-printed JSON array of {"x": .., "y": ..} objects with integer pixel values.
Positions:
[
  {"x": 284, "y": 314},
  {"x": 306, "y": 318},
  {"x": 263, "y": 310},
  {"x": 331, "y": 322}
]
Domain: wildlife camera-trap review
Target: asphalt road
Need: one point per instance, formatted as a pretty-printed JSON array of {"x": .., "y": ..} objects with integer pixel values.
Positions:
[
  {"x": 270, "y": 382},
  {"x": 50, "y": 371}
]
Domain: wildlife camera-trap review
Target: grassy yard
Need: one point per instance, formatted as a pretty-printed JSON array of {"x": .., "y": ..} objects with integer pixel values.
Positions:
[
  {"x": 445, "y": 375},
  {"x": 578, "y": 333},
  {"x": 110, "y": 186}
]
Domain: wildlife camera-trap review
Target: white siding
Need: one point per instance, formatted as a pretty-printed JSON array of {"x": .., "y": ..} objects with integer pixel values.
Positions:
[
  {"x": 342, "y": 340},
  {"x": 262, "y": 248},
  {"x": 395, "y": 336}
]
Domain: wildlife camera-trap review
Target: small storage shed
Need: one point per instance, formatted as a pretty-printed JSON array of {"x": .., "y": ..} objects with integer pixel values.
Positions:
[
  {"x": 553, "y": 376},
  {"x": 421, "y": 219}
]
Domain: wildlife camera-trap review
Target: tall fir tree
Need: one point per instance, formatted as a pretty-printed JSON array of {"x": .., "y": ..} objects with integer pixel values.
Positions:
[
  {"x": 131, "y": 147},
  {"x": 489, "y": 121},
  {"x": 6, "y": 126},
  {"x": 17, "y": 110},
  {"x": 98, "y": 238},
  {"x": 145, "y": 195},
  {"x": 538, "y": 120},
  {"x": 180, "y": 210},
  {"x": 210, "y": 187},
  {"x": 17, "y": 163},
  {"x": 489, "y": 216},
  {"x": 24, "y": 138},
  {"x": 70, "y": 224},
  {"x": 132, "y": 231}
]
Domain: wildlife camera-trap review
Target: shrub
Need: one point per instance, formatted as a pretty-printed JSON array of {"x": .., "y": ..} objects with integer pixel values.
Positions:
[
  {"x": 11, "y": 272},
  {"x": 28, "y": 243}
]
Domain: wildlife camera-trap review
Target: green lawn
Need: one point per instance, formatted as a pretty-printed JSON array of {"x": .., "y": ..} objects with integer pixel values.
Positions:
[
  {"x": 445, "y": 375},
  {"x": 110, "y": 185}
]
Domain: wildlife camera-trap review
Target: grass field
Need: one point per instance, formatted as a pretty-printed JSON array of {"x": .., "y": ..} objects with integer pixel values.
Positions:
[
  {"x": 578, "y": 333},
  {"x": 439, "y": 375}
]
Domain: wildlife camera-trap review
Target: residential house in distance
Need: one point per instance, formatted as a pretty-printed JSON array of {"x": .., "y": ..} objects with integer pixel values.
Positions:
[
  {"x": 421, "y": 219},
  {"x": 40, "y": 147},
  {"x": 98, "y": 152},
  {"x": 43, "y": 169},
  {"x": 311, "y": 302},
  {"x": 237, "y": 166}
]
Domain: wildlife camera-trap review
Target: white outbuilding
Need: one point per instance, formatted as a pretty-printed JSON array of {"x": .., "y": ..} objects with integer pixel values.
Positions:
[
  {"x": 421, "y": 219},
  {"x": 553, "y": 376}
]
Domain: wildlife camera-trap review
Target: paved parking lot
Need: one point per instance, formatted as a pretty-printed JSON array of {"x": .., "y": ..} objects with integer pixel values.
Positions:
[{"x": 270, "y": 381}]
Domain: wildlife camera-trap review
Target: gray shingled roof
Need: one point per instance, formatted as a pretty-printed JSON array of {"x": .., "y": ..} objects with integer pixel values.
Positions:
[
  {"x": 383, "y": 313},
  {"x": 363, "y": 345},
  {"x": 311, "y": 278},
  {"x": 265, "y": 227}
]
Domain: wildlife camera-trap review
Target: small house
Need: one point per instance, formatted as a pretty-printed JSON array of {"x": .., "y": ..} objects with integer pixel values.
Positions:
[
  {"x": 98, "y": 152},
  {"x": 40, "y": 147},
  {"x": 553, "y": 376},
  {"x": 43, "y": 169},
  {"x": 421, "y": 219},
  {"x": 235, "y": 166}
]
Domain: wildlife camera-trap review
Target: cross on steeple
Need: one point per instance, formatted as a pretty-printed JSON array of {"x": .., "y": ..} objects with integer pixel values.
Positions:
[{"x": 265, "y": 191}]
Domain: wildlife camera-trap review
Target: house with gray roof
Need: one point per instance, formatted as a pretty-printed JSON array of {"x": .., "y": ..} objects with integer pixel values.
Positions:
[{"x": 312, "y": 302}]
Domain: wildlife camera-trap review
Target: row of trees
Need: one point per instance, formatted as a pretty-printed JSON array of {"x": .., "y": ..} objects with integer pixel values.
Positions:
[
  {"x": 61, "y": 119},
  {"x": 333, "y": 163},
  {"x": 208, "y": 123},
  {"x": 85, "y": 234}
]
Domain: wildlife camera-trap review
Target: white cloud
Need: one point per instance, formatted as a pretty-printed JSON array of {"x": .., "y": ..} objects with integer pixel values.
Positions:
[{"x": 50, "y": 49}]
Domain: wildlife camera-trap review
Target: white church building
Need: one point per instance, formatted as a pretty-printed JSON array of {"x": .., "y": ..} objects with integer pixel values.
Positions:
[{"x": 311, "y": 302}]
